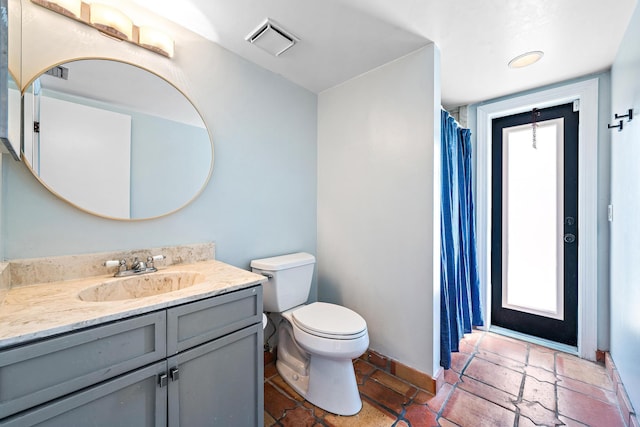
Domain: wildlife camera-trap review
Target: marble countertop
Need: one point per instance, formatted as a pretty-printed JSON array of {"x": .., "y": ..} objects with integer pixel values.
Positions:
[{"x": 46, "y": 309}]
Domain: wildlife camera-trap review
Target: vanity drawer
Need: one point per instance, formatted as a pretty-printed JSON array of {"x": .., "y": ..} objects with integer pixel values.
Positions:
[
  {"x": 133, "y": 399},
  {"x": 192, "y": 324},
  {"x": 36, "y": 373}
]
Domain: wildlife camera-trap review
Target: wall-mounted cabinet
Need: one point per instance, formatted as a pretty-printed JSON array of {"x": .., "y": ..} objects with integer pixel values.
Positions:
[
  {"x": 10, "y": 73},
  {"x": 190, "y": 365}
]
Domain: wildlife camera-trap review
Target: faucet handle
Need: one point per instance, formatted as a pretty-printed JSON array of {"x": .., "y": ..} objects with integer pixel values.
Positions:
[
  {"x": 121, "y": 264},
  {"x": 151, "y": 259}
]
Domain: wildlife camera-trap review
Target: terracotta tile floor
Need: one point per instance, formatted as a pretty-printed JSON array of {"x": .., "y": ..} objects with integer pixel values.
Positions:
[{"x": 494, "y": 381}]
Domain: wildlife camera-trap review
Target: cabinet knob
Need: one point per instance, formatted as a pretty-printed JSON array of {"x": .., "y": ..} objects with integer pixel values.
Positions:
[
  {"x": 175, "y": 374},
  {"x": 163, "y": 379}
]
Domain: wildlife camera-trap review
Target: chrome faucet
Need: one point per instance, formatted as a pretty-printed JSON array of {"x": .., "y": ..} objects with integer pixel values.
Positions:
[{"x": 137, "y": 266}]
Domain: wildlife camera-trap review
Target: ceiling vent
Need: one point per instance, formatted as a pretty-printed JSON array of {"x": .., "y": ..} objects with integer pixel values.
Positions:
[{"x": 271, "y": 37}]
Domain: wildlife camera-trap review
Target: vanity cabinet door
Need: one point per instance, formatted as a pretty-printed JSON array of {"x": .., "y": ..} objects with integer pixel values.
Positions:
[
  {"x": 198, "y": 322},
  {"x": 36, "y": 373},
  {"x": 219, "y": 383},
  {"x": 132, "y": 400}
]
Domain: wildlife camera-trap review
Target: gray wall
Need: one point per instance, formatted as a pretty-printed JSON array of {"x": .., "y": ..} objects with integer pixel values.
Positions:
[
  {"x": 261, "y": 199},
  {"x": 625, "y": 197},
  {"x": 379, "y": 200},
  {"x": 604, "y": 156}
]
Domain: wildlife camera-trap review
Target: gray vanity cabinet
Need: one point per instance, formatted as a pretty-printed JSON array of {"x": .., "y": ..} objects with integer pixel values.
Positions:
[
  {"x": 198, "y": 364},
  {"x": 219, "y": 383}
]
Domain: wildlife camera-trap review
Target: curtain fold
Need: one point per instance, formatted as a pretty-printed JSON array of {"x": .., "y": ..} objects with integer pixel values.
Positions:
[{"x": 460, "y": 307}]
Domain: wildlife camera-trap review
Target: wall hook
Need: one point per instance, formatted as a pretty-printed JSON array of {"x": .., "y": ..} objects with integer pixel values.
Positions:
[
  {"x": 619, "y": 125},
  {"x": 629, "y": 115}
]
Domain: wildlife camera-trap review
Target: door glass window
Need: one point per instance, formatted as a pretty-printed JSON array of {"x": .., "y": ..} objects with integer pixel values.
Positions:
[{"x": 532, "y": 212}]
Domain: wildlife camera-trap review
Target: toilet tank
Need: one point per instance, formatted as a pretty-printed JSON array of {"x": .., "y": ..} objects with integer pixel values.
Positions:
[{"x": 289, "y": 280}]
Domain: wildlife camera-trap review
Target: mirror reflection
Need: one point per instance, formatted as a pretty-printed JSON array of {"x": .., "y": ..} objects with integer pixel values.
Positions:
[
  {"x": 115, "y": 140},
  {"x": 12, "y": 141}
]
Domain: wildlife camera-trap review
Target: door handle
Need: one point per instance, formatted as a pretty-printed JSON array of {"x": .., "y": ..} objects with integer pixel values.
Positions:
[{"x": 569, "y": 238}]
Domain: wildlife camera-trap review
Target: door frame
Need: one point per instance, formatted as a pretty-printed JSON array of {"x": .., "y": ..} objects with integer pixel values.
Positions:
[{"x": 586, "y": 93}]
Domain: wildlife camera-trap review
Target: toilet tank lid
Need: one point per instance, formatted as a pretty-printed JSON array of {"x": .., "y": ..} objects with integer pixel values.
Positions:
[{"x": 283, "y": 262}]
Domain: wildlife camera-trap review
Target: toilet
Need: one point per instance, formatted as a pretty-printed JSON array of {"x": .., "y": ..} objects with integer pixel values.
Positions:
[{"x": 316, "y": 342}]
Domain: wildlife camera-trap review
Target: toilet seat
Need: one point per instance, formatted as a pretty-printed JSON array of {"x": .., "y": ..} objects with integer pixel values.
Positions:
[{"x": 329, "y": 321}]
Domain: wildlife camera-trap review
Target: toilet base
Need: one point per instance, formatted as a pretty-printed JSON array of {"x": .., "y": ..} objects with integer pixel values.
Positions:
[
  {"x": 300, "y": 383},
  {"x": 331, "y": 385}
]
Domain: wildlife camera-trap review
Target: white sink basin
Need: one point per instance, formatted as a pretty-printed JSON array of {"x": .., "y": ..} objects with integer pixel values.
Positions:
[{"x": 145, "y": 285}]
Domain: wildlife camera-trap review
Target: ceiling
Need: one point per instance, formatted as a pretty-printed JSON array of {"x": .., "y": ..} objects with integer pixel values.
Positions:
[{"x": 341, "y": 39}]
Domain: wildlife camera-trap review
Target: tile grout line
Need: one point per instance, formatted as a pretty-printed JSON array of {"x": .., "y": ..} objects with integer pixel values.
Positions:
[
  {"x": 399, "y": 417},
  {"x": 455, "y": 386},
  {"x": 516, "y": 421},
  {"x": 299, "y": 404},
  {"x": 473, "y": 355},
  {"x": 557, "y": 375},
  {"x": 555, "y": 387},
  {"x": 521, "y": 389}
]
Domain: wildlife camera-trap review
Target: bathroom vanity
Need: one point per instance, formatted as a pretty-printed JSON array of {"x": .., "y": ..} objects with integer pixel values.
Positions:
[{"x": 190, "y": 357}]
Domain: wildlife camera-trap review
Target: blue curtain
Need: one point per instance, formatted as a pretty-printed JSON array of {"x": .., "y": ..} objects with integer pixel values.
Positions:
[{"x": 460, "y": 307}]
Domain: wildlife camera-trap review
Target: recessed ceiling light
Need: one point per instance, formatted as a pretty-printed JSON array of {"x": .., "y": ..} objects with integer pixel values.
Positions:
[{"x": 526, "y": 59}]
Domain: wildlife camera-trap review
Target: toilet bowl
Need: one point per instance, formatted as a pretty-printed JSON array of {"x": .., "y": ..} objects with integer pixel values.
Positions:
[
  {"x": 317, "y": 355},
  {"x": 329, "y": 330},
  {"x": 317, "y": 341}
]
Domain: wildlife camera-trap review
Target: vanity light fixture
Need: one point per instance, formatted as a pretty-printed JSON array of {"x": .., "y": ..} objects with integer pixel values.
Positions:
[
  {"x": 110, "y": 21},
  {"x": 113, "y": 23},
  {"x": 155, "y": 40},
  {"x": 70, "y": 8},
  {"x": 526, "y": 59}
]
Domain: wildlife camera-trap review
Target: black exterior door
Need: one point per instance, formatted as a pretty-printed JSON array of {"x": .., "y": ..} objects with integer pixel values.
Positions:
[{"x": 526, "y": 207}]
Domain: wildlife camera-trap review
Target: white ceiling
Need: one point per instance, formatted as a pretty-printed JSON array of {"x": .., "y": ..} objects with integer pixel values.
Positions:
[{"x": 341, "y": 39}]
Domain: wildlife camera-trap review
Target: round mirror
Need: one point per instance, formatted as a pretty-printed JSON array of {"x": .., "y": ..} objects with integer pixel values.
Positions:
[{"x": 115, "y": 140}]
